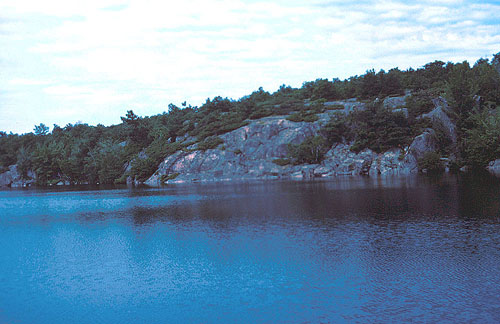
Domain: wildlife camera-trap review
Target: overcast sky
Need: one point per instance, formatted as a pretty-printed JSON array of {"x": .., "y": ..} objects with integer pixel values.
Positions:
[{"x": 64, "y": 61}]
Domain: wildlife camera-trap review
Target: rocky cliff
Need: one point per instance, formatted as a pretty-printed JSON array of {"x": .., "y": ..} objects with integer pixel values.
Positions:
[{"x": 248, "y": 152}]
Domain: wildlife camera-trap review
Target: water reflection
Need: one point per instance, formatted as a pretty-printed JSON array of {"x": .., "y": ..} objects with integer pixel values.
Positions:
[{"x": 351, "y": 249}]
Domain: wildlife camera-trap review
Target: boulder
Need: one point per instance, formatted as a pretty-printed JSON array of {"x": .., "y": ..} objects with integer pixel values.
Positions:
[
  {"x": 12, "y": 178},
  {"x": 494, "y": 167},
  {"x": 440, "y": 114},
  {"x": 392, "y": 103}
]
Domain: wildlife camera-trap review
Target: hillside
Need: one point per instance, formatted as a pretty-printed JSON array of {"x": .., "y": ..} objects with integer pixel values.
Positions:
[{"x": 443, "y": 116}]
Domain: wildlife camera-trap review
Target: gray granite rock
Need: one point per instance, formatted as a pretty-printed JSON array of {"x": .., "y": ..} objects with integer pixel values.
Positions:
[
  {"x": 13, "y": 179},
  {"x": 494, "y": 167},
  {"x": 440, "y": 114},
  {"x": 249, "y": 152},
  {"x": 395, "y": 102}
]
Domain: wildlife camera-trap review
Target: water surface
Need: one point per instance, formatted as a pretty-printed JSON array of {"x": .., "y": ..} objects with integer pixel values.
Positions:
[{"x": 346, "y": 250}]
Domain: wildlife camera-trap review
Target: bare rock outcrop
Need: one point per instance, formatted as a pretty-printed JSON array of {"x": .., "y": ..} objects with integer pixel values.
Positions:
[
  {"x": 249, "y": 151},
  {"x": 13, "y": 179}
]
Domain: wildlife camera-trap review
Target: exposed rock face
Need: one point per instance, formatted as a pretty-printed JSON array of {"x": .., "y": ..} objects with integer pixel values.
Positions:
[
  {"x": 439, "y": 113},
  {"x": 422, "y": 144},
  {"x": 248, "y": 153},
  {"x": 13, "y": 179}
]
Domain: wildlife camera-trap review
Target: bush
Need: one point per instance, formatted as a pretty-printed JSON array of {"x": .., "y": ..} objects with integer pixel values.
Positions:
[
  {"x": 311, "y": 151},
  {"x": 318, "y": 106},
  {"x": 281, "y": 162},
  {"x": 261, "y": 113},
  {"x": 431, "y": 163},
  {"x": 442, "y": 137},
  {"x": 336, "y": 129},
  {"x": 482, "y": 142},
  {"x": 171, "y": 176},
  {"x": 303, "y": 116},
  {"x": 419, "y": 103},
  {"x": 379, "y": 129},
  {"x": 209, "y": 143}
]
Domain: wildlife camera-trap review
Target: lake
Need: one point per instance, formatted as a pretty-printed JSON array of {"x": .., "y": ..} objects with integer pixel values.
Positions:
[{"x": 354, "y": 250}]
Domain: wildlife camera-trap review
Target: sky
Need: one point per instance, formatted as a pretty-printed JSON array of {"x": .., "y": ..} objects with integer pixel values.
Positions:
[{"x": 69, "y": 61}]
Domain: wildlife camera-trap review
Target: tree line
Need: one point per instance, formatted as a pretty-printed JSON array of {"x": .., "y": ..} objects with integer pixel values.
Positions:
[{"x": 81, "y": 153}]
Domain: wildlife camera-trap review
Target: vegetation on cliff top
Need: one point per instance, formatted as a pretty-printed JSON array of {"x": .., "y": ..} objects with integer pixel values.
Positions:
[{"x": 80, "y": 153}]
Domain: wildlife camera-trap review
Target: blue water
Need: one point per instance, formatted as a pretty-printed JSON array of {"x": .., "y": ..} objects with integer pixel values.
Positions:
[{"x": 347, "y": 250}]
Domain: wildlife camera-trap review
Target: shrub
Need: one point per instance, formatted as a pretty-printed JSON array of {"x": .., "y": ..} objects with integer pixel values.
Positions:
[
  {"x": 431, "y": 163},
  {"x": 209, "y": 143},
  {"x": 318, "y": 106},
  {"x": 312, "y": 150},
  {"x": 171, "y": 176},
  {"x": 379, "y": 129},
  {"x": 336, "y": 129},
  {"x": 261, "y": 113},
  {"x": 482, "y": 142},
  {"x": 419, "y": 103},
  {"x": 303, "y": 116},
  {"x": 442, "y": 137},
  {"x": 144, "y": 168},
  {"x": 281, "y": 162}
]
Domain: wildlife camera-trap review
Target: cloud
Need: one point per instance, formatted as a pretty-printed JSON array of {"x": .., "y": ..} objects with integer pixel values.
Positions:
[{"x": 71, "y": 57}]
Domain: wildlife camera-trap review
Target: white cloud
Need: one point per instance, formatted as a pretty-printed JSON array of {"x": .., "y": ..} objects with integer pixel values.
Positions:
[{"x": 71, "y": 58}]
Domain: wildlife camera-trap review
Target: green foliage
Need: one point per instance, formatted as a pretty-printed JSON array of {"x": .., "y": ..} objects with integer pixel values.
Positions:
[
  {"x": 442, "y": 137},
  {"x": 24, "y": 162},
  {"x": 171, "y": 176},
  {"x": 282, "y": 162},
  {"x": 319, "y": 89},
  {"x": 482, "y": 141},
  {"x": 303, "y": 116},
  {"x": 323, "y": 89},
  {"x": 41, "y": 130},
  {"x": 144, "y": 165},
  {"x": 261, "y": 113},
  {"x": 420, "y": 102},
  {"x": 379, "y": 129},
  {"x": 312, "y": 150},
  {"x": 209, "y": 143},
  {"x": 460, "y": 91},
  {"x": 487, "y": 78},
  {"x": 318, "y": 106},
  {"x": 136, "y": 130},
  {"x": 380, "y": 84},
  {"x": 105, "y": 163},
  {"x": 45, "y": 163},
  {"x": 432, "y": 76},
  {"x": 336, "y": 129},
  {"x": 79, "y": 153},
  {"x": 431, "y": 163}
]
